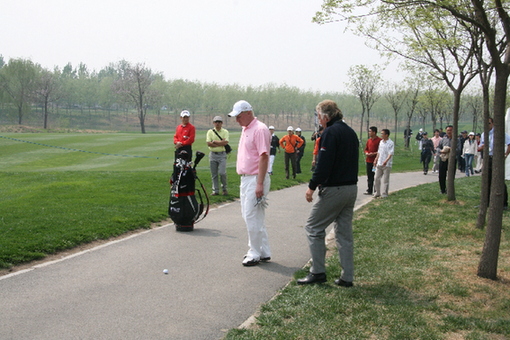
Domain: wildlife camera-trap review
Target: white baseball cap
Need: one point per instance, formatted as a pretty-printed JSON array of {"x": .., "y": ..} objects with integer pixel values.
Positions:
[
  {"x": 290, "y": 128},
  {"x": 240, "y": 106},
  {"x": 185, "y": 113},
  {"x": 271, "y": 127},
  {"x": 217, "y": 119},
  {"x": 298, "y": 130}
]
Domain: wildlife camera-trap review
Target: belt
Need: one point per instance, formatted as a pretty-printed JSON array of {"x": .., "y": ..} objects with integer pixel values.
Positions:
[{"x": 217, "y": 153}]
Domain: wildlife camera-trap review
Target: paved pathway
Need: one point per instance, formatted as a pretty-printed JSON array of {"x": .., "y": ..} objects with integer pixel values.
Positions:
[{"x": 118, "y": 290}]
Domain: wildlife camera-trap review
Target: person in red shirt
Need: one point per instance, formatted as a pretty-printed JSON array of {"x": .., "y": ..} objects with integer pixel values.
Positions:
[
  {"x": 370, "y": 152},
  {"x": 184, "y": 135},
  {"x": 290, "y": 143}
]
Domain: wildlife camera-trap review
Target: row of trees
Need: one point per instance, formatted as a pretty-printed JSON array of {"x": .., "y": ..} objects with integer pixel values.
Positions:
[
  {"x": 126, "y": 87},
  {"x": 454, "y": 42}
]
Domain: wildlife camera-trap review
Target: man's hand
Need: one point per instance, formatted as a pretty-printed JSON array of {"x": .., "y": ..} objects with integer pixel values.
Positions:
[
  {"x": 259, "y": 191},
  {"x": 309, "y": 195}
]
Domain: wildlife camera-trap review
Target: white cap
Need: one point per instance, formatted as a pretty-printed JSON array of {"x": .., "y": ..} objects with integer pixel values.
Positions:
[
  {"x": 290, "y": 128},
  {"x": 240, "y": 106},
  {"x": 271, "y": 127},
  {"x": 421, "y": 130},
  {"x": 471, "y": 134},
  {"x": 185, "y": 113},
  {"x": 298, "y": 130},
  {"x": 217, "y": 119}
]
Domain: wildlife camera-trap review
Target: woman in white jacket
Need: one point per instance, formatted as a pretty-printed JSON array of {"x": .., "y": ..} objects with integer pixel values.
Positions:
[{"x": 469, "y": 151}]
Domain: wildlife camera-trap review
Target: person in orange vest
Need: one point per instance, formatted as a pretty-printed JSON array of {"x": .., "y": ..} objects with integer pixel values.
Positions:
[{"x": 290, "y": 143}]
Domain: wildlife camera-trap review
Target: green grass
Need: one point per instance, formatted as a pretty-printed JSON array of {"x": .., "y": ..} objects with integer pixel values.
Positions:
[
  {"x": 55, "y": 198},
  {"x": 416, "y": 258}
]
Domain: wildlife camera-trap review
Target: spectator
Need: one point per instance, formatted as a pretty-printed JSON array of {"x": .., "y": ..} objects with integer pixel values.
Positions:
[
  {"x": 184, "y": 135},
  {"x": 419, "y": 137},
  {"x": 478, "y": 155},
  {"x": 383, "y": 162},
  {"x": 275, "y": 145},
  {"x": 460, "y": 144},
  {"x": 427, "y": 150},
  {"x": 444, "y": 150},
  {"x": 468, "y": 153},
  {"x": 290, "y": 143},
  {"x": 435, "y": 140},
  {"x": 491, "y": 148},
  {"x": 216, "y": 139},
  {"x": 316, "y": 137},
  {"x": 371, "y": 148},
  {"x": 300, "y": 151}
]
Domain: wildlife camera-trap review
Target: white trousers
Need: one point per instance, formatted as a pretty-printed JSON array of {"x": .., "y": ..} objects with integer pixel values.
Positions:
[
  {"x": 254, "y": 216},
  {"x": 271, "y": 162}
]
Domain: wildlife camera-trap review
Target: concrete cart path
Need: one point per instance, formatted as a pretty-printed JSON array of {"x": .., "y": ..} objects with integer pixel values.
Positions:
[{"x": 118, "y": 290}]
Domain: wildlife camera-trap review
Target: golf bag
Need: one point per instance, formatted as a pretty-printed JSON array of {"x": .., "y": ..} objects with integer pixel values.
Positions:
[{"x": 184, "y": 208}]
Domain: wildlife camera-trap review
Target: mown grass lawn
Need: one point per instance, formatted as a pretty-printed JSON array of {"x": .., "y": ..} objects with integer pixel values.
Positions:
[
  {"x": 416, "y": 257},
  {"x": 54, "y": 197}
]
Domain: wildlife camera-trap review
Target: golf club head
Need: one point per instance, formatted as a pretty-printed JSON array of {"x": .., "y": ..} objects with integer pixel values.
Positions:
[{"x": 199, "y": 155}]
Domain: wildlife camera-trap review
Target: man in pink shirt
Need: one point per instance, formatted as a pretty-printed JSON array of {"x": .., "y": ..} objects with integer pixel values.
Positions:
[{"x": 252, "y": 164}]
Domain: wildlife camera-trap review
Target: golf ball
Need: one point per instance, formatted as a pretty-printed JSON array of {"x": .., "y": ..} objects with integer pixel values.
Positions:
[{"x": 165, "y": 271}]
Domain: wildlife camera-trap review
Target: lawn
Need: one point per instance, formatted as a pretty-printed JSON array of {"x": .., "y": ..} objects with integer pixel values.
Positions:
[
  {"x": 61, "y": 190},
  {"x": 416, "y": 257}
]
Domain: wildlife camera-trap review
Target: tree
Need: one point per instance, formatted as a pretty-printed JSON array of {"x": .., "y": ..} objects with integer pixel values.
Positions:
[
  {"x": 134, "y": 83},
  {"x": 47, "y": 89},
  {"x": 492, "y": 21},
  {"x": 17, "y": 78},
  {"x": 411, "y": 103},
  {"x": 396, "y": 96},
  {"x": 364, "y": 84}
]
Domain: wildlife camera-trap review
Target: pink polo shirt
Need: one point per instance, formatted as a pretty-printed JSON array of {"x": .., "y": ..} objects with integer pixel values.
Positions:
[{"x": 255, "y": 141}]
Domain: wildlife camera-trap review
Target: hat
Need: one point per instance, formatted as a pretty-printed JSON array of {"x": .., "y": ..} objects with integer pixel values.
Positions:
[
  {"x": 421, "y": 130},
  {"x": 271, "y": 127},
  {"x": 464, "y": 131},
  {"x": 185, "y": 113},
  {"x": 217, "y": 119},
  {"x": 424, "y": 133},
  {"x": 298, "y": 130},
  {"x": 471, "y": 133},
  {"x": 240, "y": 106},
  {"x": 290, "y": 128}
]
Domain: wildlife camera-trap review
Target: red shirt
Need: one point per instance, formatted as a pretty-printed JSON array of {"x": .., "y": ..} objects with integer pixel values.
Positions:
[
  {"x": 184, "y": 134},
  {"x": 372, "y": 146}
]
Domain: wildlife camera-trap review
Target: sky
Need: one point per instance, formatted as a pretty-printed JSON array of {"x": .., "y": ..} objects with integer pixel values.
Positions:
[{"x": 244, "y": 42}]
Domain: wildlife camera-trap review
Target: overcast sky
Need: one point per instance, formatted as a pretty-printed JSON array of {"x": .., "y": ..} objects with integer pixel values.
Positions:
[{"x": 245, "y": 42}]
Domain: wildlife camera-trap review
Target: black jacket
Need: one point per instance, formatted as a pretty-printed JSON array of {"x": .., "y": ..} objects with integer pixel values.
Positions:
[{"x": 338, "y": 157}]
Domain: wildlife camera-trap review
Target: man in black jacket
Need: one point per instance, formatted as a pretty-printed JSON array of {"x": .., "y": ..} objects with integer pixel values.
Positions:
[{"x": 336, "y": 176}]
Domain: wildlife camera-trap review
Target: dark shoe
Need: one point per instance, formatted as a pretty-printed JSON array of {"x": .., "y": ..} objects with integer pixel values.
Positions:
[
  {"x": 214, "y": 194},
  {"x": 312, "y": 278},
  {"x": 225, "y": 192},
  {"x": 265, "y": 259},
  {"x": 343, "y": 283},
  {"x": 367, "y": 193}
]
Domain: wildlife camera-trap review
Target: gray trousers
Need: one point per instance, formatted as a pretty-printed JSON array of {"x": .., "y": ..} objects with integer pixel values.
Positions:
[
  {"x": 218, "y": 165},
  {"x": 334, "y": 204}
]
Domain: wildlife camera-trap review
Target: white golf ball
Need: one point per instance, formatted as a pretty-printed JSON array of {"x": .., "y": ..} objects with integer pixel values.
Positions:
[{"x": 165, "y": 271}]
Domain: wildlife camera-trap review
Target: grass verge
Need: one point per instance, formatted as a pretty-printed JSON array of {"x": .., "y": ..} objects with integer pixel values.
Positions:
[{"x": 416, "y": 257}]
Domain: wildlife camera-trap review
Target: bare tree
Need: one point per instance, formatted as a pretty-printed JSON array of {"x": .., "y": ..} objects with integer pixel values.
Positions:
[
  {"x": 134, "y": 83},
  {"x": 396, "y": 96},
  {"x": 364, "y": 83},
  {"x": 47, "y": 90}
]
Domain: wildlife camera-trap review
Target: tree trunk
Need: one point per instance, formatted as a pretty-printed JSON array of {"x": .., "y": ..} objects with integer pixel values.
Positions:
[
  {"x": 452, "y": 161},
  {"x": 484, "y": 192},
  {"x": 488, "y": 266}
]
